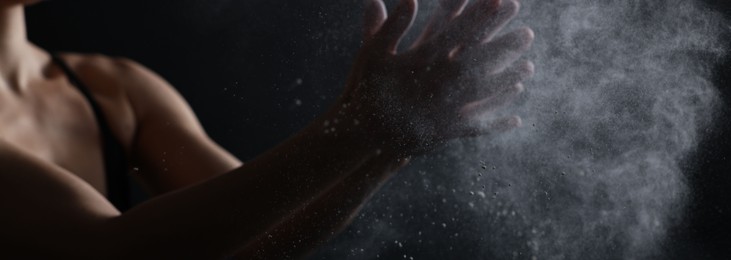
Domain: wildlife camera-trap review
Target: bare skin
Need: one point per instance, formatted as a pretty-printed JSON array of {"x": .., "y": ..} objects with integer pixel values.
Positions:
[{"x": 208, "y": 204}]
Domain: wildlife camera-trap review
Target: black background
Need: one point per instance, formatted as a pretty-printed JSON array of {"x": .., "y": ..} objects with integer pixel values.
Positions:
[{"x": 257, "y": 71}]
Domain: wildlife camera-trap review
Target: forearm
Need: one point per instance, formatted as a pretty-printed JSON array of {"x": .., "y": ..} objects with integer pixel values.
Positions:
[
  {"x": 217, "y": 217},
  {"x": 316, "y": 222}
]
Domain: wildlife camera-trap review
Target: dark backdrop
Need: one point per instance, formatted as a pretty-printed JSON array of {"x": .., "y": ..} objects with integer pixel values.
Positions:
[{"x": 256, "y": 71}]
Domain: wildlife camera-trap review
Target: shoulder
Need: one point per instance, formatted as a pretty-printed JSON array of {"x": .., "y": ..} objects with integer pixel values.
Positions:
[
  {"x": 117, "y": 77},
  {"x": 110, "y": 78},
  {"x": 107, "y": 70},
  {"x": 125, "y": 89},
  {"x": 150, "y": 97},
  {"x": 100, "y": 62}
]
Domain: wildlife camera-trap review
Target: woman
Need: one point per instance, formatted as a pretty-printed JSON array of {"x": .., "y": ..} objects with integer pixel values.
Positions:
[{"x": 67, "y": 120}]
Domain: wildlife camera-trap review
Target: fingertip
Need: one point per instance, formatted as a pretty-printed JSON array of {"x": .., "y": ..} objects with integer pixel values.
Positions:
[
  {"x": 529, "y": 34},
  {"x": 515, "y": 121},
  {"x": 398, "y": 23},
  {"x": 375, "y": 5},
  {"x": 529, "y": 68},
  {"x": 405, "y": 9},
  {"x": 413, "y": 6},
  {"x": 526, "y": 37},
  {"x": 374, "y": 16},
  {"x": 510, "y": 8},
  {"x": 409, "y": 4},
  {"x": 518, "y": 88}
]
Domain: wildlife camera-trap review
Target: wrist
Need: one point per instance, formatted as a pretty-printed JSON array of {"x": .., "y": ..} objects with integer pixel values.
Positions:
[{"x": 352, "y": 126}]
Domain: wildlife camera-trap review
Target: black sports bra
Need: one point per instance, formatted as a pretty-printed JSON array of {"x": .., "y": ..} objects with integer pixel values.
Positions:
[{"x": 115, "y": 161}]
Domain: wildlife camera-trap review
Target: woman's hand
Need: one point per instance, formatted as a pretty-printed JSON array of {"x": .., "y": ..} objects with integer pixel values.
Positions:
[{"x": 457, "y": 69}]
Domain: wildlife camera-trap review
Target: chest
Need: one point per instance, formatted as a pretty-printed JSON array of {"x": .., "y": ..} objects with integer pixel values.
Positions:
[{"x": 55, "y": 122}]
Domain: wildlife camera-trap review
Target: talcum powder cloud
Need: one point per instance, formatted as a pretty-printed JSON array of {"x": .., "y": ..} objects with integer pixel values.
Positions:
[{"x": 622, "y": 92}]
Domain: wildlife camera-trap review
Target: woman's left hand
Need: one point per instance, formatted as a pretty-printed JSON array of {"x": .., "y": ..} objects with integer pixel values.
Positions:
[{"x": 426, "y": 95}]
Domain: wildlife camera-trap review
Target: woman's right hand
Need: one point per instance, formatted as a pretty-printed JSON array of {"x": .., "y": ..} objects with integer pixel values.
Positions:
[{"x": 426, "y": 95}]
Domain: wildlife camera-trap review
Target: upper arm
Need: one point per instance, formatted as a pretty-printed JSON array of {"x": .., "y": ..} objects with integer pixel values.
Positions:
[
  {"x": 46, "y": 209},
  {"x": 170, "y": 147}
]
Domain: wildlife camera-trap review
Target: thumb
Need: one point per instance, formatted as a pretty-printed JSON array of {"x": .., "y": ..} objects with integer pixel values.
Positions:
[
  {"x": 374, "y": 16},
  {"x": 397, "y": 24}
]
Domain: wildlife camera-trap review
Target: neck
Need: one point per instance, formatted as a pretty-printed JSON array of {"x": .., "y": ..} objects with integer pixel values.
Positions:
[
  {"x": 15, "y": 49},
  {"x": 12, "y": 29}
]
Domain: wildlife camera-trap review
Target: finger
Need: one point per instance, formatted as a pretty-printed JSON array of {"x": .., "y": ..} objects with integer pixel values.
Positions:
[
  {"x": 489, "y": 25},
  {"x": 479, "y": 86},
  {"x": 511, "y": 76},
  {"x": 496, "y": 127},
  {"x": 453, "y": 7},
  {"x": 489, "y": 104},
  {"x": 397, "y": 24},
  {"x": 506, "y": 124},
  {"x": 482, "y": 20},
  {"x": 495, "y": 55},
  {"x": 448, "y": 9},
  {"x": 374, "y": 16}
]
